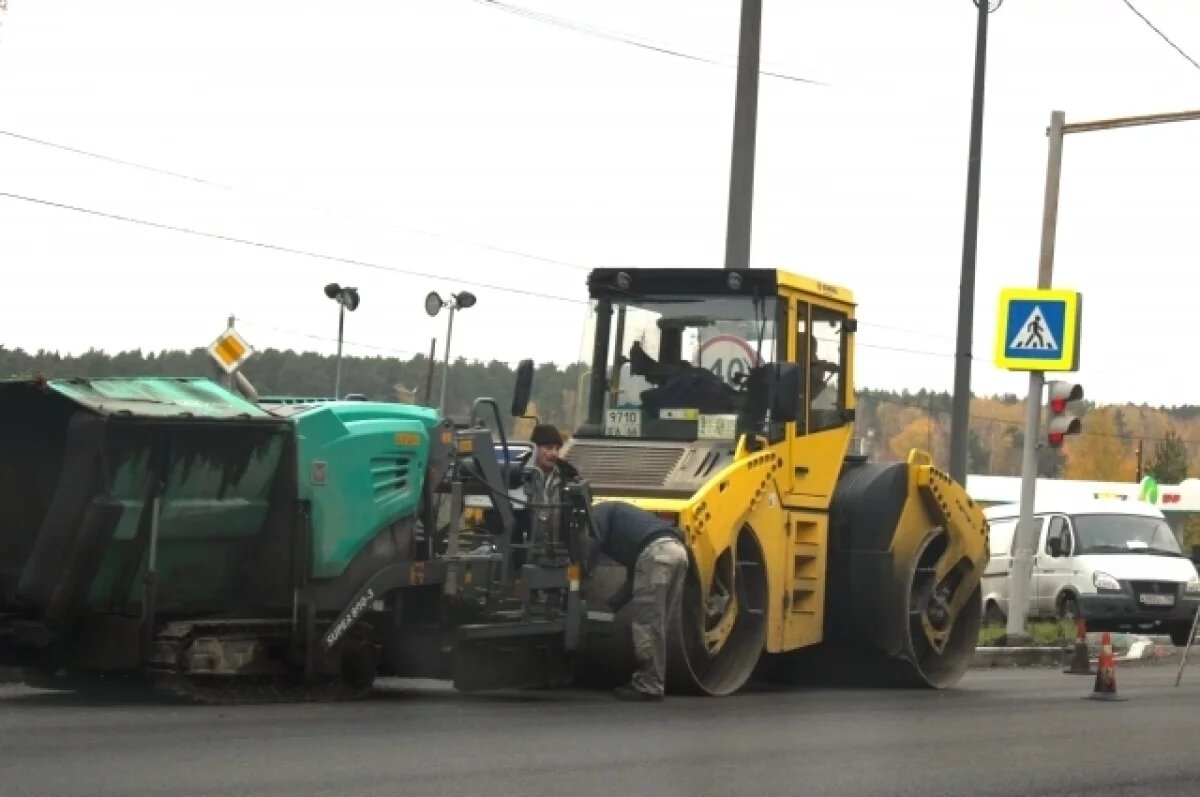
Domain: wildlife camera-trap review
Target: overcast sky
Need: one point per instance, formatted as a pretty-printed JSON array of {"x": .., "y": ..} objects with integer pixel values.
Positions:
[{"x": 429, "y": 135}]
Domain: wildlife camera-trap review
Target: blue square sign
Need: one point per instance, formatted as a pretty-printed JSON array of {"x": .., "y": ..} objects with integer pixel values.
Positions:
[
  {"x": 1035, "y": 329},
  {"x": 1038, "y": 330}
]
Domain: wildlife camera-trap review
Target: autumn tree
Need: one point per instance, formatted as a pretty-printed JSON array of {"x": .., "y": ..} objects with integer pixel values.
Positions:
[
  {"x": 922, "y": 433},
  {"x": 1097, "y": 453},
  {"x": 1050, "y": 462},
  {"x": 1190, "y": 533},
  {"x": 1170, "y": 462}
]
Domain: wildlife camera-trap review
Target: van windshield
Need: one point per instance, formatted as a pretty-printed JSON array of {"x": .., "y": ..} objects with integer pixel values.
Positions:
[{"x": 1124, "y": 534}]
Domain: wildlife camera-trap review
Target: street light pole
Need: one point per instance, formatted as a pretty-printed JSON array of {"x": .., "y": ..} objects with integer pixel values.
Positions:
[
  {"x": 337, "y": 378},
  {"x": 1022, "y": 567},
  {"x": 446, "y": 362},
  {"x": 347, "y": 299},
  {"x": 960, "y": 416},
  {"x": 433, "y": 305}
]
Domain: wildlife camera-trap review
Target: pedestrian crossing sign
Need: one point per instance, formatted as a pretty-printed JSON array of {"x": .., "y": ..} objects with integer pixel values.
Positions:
[{"x": 1038, "y": 330}]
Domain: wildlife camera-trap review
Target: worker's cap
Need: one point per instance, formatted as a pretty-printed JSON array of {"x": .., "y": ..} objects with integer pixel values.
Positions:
[{"x": 546, "y": 435}]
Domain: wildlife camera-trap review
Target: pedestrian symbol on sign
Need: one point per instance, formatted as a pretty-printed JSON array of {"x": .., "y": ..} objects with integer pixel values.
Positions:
[{"x": 1035, "y": 334}]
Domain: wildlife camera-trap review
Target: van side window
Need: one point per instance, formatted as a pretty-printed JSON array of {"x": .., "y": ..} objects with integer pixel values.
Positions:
[
  {"x": 1000, "y": 536},
  {"x": 1039, "y": 523},
  {"x": 1060, "y": 531}
]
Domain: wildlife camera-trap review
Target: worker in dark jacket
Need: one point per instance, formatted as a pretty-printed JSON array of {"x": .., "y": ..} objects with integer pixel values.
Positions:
[
  {"x": 545, "y": 474},
  {"x": 656, "y": 559},
  {"x": 547, "y": 471}
]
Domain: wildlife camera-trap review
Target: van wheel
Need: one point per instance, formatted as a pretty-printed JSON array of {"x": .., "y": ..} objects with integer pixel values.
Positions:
[
  {"x": 1068, "y": 608},
  {"x": 993, "y": 616}
]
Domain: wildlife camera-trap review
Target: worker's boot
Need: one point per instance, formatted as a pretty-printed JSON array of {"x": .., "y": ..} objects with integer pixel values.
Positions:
[{"x": 632, "y": 693}]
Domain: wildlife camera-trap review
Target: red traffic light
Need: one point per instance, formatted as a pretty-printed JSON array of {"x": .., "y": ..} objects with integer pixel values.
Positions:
[
  {"x": 1062, "y": 393},
  {"x": 1061, "y": 427}
]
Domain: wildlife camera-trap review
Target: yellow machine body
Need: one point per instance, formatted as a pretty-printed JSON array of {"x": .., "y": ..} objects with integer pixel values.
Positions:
[{"x": 794, "y": 544}]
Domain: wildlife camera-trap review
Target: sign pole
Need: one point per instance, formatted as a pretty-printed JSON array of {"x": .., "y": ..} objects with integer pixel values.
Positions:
[
  {"x": 232, "y": 374},
  {"x": 1022, "y": 569}
]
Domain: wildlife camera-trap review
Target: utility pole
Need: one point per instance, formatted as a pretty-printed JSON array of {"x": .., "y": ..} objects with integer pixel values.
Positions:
[
  {"x": 960, "y": 415},
  {"x": 1139, "y": 462},
  {"x": 745, "y": 125},
  {"x": 1022, "y": 567}
]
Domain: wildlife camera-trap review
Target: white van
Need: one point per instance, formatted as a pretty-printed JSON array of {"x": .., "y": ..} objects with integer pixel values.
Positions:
[{"x": 1114, "y": 563}]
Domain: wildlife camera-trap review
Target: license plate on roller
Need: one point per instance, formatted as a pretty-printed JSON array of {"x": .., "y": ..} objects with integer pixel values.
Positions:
[{"x": 1158, "y": 600}]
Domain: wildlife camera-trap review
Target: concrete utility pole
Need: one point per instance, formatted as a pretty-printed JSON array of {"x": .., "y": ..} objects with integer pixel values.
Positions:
[
  {"x": 745, "y": 125},
  {"x": 1022, "y": 567},
  {"x": 960, "y": 415}
]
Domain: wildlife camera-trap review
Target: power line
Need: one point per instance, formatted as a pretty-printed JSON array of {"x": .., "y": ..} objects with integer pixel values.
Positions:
[
  {"x": 347, "y": 260},
  {"x": 328, "y": 339},
  {"x": 279, "y": 248},
  {"x": 902, "y": 349},
  {"x": 305, "y": 205},
  {"x": 906, "y": 330},
  {"x": 592, "y": 30},
  {"x": 1164, "y": 36},
  {"x": 1111, "y": 435}
]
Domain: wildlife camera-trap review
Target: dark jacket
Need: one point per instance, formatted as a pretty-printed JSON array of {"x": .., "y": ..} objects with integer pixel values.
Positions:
[
  {"x": 623, "y": 531},
  {"x": 536, "y": 480}
]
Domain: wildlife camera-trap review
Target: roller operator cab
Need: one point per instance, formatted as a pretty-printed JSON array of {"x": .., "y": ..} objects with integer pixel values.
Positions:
[{"x": 723, "y": 400}]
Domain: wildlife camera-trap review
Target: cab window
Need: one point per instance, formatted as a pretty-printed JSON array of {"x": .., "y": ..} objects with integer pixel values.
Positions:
[
  {"x": 1061, "y": 531},
  {"x": 802, "y": 356},
  {"x": 827, "y": 342}
]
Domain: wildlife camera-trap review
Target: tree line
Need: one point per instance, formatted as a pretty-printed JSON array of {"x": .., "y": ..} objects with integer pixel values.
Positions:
[{"x": 888, "y": 423}]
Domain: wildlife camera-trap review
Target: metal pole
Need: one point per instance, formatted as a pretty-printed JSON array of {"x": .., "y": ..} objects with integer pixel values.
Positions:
[
  {"x": 960, "y": 416},
  {"x": 1132, "y": 121},
  {"x": 745, "y": 121},
  {"x": 337, "y": 379},
  {"x": 1191, "y": 640},
  {"x": 1022, "y": 569},
  {"x": 231, "y": 374},
  {"x": 429, "y": 375},
  {"x": 446, "y": 364}
]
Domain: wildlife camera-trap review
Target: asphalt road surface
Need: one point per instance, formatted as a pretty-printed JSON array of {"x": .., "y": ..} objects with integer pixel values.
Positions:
[{"x": 1011, "y": 732}]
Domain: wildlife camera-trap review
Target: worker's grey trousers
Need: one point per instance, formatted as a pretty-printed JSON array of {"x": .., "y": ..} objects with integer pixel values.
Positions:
[{"x": 657, "y": 583}]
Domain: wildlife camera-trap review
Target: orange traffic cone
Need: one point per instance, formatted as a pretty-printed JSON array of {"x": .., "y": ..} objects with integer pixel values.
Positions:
[
  {"x": 1080, "y": 663},
  {"x": 1106, "y": 673}
]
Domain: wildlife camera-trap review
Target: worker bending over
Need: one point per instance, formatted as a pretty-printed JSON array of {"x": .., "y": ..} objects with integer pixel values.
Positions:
[{"x": 656, "y": 562}]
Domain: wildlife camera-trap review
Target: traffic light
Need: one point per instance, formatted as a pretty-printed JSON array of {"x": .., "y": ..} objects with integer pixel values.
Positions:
[{"x": 1062, "y": 423}]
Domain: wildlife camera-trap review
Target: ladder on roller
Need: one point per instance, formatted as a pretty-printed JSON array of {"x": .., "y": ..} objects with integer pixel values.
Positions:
[{"x": 1187, "y": 648}]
